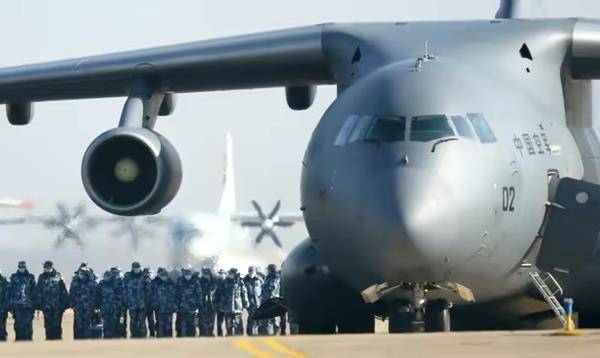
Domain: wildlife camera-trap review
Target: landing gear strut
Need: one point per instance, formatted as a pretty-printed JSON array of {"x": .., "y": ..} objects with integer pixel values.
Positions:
[{"x": 420, "y": 314}]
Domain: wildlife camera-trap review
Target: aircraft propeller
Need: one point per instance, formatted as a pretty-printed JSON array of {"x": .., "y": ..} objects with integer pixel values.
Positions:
[
  {"x": 267, "y": 223},
  {"x": 71, "y": 224}
]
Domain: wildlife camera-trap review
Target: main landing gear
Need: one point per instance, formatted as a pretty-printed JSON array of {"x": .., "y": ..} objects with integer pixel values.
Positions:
[{"x": 419, "y": 314}]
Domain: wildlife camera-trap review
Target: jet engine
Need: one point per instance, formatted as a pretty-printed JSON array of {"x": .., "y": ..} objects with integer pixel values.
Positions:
[{"x": 131, "y": 171}]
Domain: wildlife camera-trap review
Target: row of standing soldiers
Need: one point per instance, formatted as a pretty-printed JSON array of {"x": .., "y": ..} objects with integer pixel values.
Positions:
[{"x": 102, "y": 309}]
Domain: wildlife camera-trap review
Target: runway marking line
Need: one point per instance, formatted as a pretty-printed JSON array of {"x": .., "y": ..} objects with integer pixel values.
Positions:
[
  {"x": 282, "y": 348},
  {"x": 248, "y": 347}
]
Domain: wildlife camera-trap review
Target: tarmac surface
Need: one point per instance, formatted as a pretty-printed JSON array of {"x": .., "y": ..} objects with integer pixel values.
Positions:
[{"x": 474, "y": 344}]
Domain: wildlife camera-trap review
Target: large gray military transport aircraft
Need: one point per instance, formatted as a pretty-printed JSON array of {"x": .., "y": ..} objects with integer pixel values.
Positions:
[{"x": 458, "y": 158}]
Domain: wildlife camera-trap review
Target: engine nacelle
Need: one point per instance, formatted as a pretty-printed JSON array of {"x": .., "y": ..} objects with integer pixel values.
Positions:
[
  {"x": 19, "y": 113},
  {"x": 131, "y": 171}
]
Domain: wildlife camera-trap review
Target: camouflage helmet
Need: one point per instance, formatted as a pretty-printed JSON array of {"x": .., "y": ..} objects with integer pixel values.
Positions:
[
  {"x": 22, "y": 265},
  {"x": 135, "y": 265},
  {"x": 48, "y": 264}
]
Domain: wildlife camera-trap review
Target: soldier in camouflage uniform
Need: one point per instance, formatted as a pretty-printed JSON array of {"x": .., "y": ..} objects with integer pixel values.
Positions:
[
  {"x": 4, "y": 287},
  {"x": 187, "y": 303},
  {"x": 22, "y": 301},
  {"x": 110, "y": 302},
  {"x": 53, "y": 300},
  {"x": 163, "y": 299},
  {"x": 233, "y": 300},
  {"x": 150, "y": 314},
  {"x": 117, "y": 276},
  {"x": 221, "y": 275},
  {"x": 206, "y": 305},
  {"x": 82, "y": 296},
  {"x": 253, "y": 283},
  {"x": 136, "y": 292},
  {"x": 270, "y": 290}
]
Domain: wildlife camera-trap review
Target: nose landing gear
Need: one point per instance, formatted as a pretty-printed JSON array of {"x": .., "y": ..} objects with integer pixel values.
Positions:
[{"x": 419, "y": 314}]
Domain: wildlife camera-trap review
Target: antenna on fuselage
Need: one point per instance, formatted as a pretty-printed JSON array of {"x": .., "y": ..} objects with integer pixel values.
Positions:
[{"x": 426, "y": 57}]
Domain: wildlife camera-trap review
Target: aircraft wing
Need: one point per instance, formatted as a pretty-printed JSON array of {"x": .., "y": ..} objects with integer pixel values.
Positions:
[
  {"x": 293, "y": 217},
  {"x": 292, "y": 57},
  {"x": 12, "y": 221},
  {"x": 240, "y": 217}
]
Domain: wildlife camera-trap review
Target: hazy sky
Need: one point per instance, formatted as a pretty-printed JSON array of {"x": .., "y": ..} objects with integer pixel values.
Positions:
[{"x": 42, "y": 161}]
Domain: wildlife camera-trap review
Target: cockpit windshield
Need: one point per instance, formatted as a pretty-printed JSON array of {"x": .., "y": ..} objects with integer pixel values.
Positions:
[
  {"x": 427, "y": 128},
  {"x": 387, "y": 129},
  {"x": 482, "y": 128},
  {"x": 390, "y": 128}
]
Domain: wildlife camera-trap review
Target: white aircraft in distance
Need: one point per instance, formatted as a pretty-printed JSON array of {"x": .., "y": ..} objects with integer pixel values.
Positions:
[
  {"x": 221, "y": 238},
  {"x": 12, "y": 203},
  {"x": 16, "y": 203}
]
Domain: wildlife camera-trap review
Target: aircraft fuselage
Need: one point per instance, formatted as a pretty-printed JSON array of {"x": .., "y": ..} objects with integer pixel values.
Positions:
[{"x": 428, "y": 207}]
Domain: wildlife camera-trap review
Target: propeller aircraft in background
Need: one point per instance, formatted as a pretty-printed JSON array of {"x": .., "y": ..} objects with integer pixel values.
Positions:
[{"x": 220, "y": 238}]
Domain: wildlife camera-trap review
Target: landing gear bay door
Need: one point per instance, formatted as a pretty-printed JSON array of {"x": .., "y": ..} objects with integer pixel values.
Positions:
[{"x": 571, "y": 232}]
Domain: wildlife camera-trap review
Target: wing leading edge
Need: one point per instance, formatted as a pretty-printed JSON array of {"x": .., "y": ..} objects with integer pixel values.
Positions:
[{"x": 292, "y": 57}]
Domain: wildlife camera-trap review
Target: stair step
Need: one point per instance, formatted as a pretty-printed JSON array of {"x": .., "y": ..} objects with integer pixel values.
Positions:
[{"x": 549, "y": 295}]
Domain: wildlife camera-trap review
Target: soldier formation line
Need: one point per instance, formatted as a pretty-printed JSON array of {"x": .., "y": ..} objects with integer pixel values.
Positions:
[{"x": 102, "y": 309}]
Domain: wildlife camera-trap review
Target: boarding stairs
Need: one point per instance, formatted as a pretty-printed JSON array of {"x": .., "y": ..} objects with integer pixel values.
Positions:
[{"x": 549, "y": 288}]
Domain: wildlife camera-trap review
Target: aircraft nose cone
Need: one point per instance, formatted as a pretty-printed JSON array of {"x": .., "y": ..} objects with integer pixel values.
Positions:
[
  {"x": 412, "y": 220},
  {"x": 437, "y": 207}
]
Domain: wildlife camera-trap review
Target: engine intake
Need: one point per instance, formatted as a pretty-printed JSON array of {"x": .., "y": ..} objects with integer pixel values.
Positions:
[{"x": 131, "y": 171}]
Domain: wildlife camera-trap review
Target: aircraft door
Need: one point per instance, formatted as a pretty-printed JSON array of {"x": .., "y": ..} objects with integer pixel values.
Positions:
[{"x": 571, "y": 232}]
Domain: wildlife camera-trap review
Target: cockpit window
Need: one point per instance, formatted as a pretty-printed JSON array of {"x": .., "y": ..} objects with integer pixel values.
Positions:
[
  {"x": 427, "y": 128},
  {"x": 361, "y": 128},
  {"x": 387, "y": 129},
  {"x": 483, "y": 130},
  {"x": 344, "y": 133},
  {"x": 462, "y": 126}
]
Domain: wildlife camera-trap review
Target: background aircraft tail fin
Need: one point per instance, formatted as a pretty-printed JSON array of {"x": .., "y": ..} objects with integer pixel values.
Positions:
[
  {"x": 227, "y": 204},
  {"x": 515, "y": 9}
]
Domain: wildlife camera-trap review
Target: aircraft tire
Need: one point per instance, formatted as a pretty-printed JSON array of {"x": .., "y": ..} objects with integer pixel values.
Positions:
[
  {"x": 437, "y": 316},
  {"x": 401, "y": 318}
]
